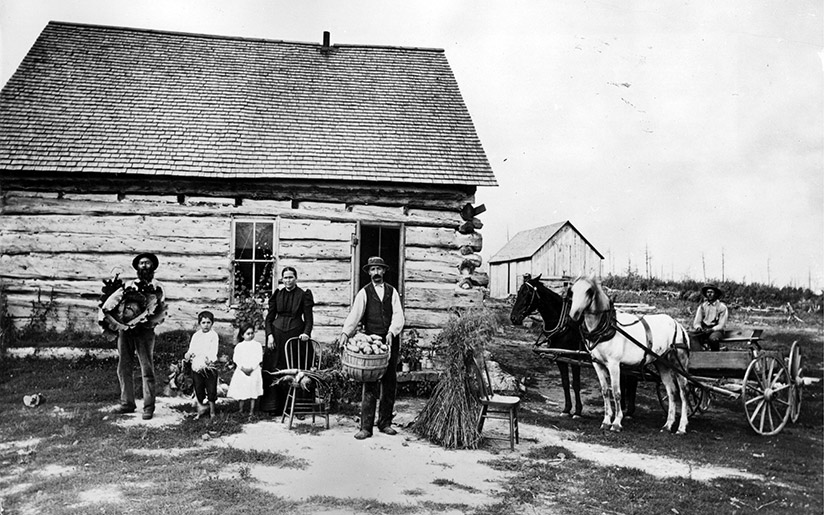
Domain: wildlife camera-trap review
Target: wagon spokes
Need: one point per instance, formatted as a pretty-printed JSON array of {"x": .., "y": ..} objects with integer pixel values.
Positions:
[
  {"x": 767, "y": 395},
  {"x": 759, "y": 409},
  {"x": 764, "y": 413}
]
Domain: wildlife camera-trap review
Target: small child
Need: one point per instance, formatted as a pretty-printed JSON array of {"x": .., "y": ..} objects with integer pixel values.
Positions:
[
  {"x": 247, "y": 381},
  {"x": 202, "y": 354}
]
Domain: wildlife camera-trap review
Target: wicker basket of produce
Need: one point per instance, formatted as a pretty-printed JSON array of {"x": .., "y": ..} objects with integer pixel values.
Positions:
[{"x": 365, "y": 358}]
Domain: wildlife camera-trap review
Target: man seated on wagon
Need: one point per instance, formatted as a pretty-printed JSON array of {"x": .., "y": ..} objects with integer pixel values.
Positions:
[{"x": 710, "y": 320}]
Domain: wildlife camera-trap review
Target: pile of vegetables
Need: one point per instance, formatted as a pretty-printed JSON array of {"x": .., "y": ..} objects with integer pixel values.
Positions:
[
  {"x": 122, "y": 307},
  {"x": 367, "y": 344}
]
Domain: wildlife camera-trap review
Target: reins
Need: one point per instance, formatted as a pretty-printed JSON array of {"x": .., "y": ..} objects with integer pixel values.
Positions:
[{"x": 607, "y": 327}]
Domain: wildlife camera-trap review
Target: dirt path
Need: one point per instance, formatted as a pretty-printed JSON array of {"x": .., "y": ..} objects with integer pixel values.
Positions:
[{"x": 390, "y": 469}]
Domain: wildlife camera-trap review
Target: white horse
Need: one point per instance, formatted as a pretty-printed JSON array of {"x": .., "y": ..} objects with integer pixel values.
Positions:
[{"x": 608, "y": 332}]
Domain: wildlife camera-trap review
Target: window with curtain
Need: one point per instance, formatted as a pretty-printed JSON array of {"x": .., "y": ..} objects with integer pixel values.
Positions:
[{"x": 254, "y": 259}]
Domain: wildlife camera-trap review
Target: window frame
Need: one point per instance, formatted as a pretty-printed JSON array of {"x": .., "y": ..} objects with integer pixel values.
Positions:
[{"x": 274, "y": 222}]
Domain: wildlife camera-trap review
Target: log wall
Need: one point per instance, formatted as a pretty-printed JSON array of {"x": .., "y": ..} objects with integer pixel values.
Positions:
[{"x": 59, "y": 244}]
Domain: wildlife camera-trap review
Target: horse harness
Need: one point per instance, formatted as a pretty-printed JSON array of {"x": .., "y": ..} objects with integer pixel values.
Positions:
[
  {"x": 609, "y": 325},
  {"x": 564, "y": 321},
  {"x": 605, "y": 330}
]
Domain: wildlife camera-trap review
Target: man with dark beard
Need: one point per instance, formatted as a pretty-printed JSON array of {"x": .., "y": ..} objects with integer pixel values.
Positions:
[
  {"x": 138, "y": 336},
  {"x": 378, "y": 307}
]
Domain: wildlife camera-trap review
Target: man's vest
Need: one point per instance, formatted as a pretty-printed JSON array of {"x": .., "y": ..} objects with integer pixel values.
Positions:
[{"x": 378, "y": 314}]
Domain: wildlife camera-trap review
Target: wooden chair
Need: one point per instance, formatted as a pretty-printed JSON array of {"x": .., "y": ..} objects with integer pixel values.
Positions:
[
  {"x": 304, "y": 355},
  {"x": 503, "y": 407}
]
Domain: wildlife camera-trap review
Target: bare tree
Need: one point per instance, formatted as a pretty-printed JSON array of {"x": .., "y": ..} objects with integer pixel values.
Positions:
[
  {"x": 722, "y": 265},
  {"x": 704, "y": 266}
]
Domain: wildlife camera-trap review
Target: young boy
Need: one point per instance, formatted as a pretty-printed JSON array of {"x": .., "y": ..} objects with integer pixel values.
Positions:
[{"x": 203, "y": 355}]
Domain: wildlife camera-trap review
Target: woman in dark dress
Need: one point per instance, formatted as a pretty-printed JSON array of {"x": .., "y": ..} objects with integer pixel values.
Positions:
[{"x": 289, "y": 316}]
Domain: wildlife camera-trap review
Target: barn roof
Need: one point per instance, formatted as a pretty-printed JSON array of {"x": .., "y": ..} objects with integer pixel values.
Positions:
[
  {"x": 526, "y": 243},
  {"x": 101, "y": 99}
]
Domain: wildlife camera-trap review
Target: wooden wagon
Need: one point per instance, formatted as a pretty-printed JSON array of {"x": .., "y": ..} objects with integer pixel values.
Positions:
[{"x": 768, "y": 384}]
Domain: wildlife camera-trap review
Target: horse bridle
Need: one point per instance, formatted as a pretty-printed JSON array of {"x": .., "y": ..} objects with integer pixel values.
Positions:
[
  {"x": 563, "y": 319},
  {"x": 531, "y": 307}
]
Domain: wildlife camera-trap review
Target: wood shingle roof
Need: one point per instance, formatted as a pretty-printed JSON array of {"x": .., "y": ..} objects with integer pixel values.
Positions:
[
  {"x": 117, "y": 100},
  {"x": 526, "y": 243}
]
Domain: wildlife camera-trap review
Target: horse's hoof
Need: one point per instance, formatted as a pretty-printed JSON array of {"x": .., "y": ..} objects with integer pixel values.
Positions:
[
  {"x": 565, "y": 414},
  {"x": 616, "y": 429},
  {"x": 576, "y": 416},
  {"x": 679, "y": 432},
  {"x": 604, "y": 427}
]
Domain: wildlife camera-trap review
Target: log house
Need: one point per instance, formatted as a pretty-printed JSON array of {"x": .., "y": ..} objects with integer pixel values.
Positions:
[{"x": 231, "y": 158}]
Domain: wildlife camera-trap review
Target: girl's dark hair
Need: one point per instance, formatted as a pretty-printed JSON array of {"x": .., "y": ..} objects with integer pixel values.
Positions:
[
  {"x": 243, "y": 329},
  {"x": 289, "y": 269},
  {"x": 205, "y": 314}
]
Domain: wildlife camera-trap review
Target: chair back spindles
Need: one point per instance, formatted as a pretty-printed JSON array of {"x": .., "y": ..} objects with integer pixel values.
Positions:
[
  {"x": 299, "y": 357},
  {"x": 487, "y": 382},
  {"x": 484, "y": 381}
]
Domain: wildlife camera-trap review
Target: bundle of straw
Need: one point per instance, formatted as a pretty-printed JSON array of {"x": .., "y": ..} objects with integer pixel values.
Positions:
[{"x": 450, "y": 416}]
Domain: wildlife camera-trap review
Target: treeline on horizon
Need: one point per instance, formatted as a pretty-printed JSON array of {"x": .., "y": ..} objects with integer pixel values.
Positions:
[{"x": 689, "y": 289}]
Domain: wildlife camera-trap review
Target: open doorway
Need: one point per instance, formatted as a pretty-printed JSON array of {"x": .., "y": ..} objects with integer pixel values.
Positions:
[{"x": 383, "y": 241}]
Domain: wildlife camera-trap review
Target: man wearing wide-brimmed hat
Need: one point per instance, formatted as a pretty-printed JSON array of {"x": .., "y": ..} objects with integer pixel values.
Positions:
[
  {"x": 378, "y": 307},
  {"x": 139, "y": 338},
  {"x": 710, "y": 318}
]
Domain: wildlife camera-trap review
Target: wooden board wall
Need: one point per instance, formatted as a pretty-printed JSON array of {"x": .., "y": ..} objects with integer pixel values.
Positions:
[
  {"x": 61, "y": 246},
  {"x": 566, "y": 254}
]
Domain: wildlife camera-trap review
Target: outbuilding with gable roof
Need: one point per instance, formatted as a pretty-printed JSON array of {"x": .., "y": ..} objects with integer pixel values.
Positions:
[{"x": 558, "y": 252}]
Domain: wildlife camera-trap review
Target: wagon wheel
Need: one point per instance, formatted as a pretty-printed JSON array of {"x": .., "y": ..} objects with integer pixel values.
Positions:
[
  {"x": 698, "y": 398},
  {"x": 797, "y": 376},
  {"x": 767, "y": 394}
]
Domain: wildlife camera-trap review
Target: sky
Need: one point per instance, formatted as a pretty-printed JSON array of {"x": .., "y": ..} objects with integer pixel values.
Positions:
[{"x": 682, "y": 139}]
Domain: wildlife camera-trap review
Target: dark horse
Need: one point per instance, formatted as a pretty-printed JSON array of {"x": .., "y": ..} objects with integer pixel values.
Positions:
[{"x": 560, "y": 332}]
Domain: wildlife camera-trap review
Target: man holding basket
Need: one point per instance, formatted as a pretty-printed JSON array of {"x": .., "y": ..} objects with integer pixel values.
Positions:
[
  {"x": 378, "y": 307},
  {"x": 132, "y": 312}
]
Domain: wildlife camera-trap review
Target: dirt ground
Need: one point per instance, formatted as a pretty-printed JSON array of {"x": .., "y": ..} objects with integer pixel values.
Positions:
[{"x": 402, "y": 469}]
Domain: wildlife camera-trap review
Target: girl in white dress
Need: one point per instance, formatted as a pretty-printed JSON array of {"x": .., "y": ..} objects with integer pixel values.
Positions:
[{"x": 247, "y": 381}]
